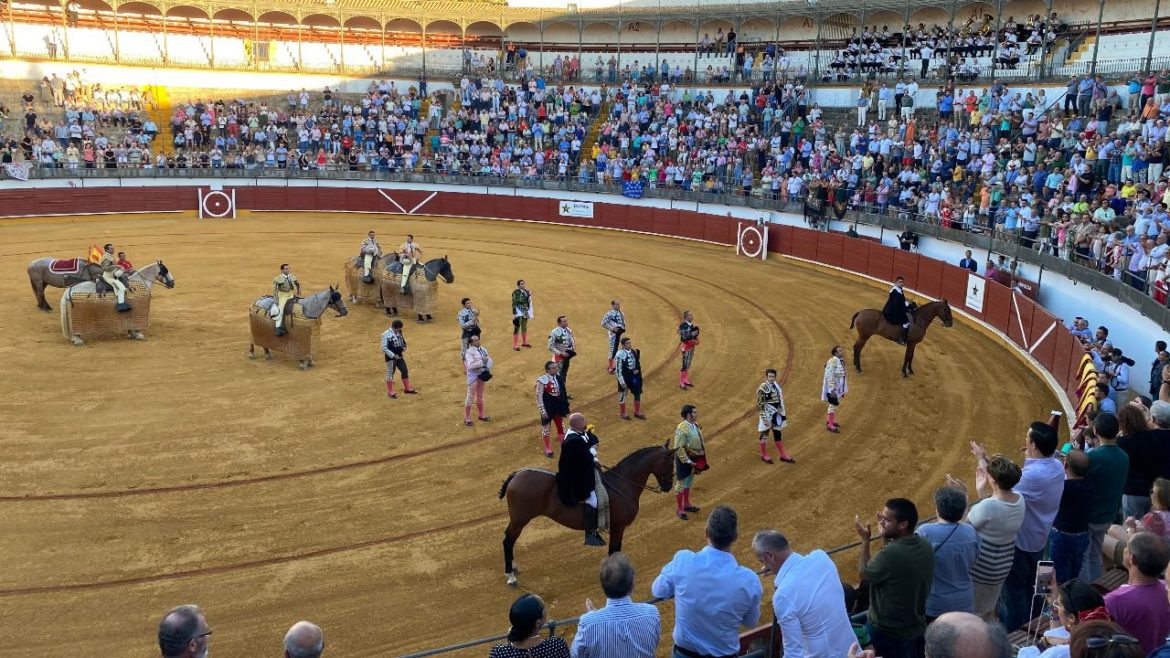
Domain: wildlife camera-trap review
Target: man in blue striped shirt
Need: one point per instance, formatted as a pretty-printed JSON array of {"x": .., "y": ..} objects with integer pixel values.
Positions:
[
  {"x": 713, "y": 594},
  {"x": 622, "y": 629}
]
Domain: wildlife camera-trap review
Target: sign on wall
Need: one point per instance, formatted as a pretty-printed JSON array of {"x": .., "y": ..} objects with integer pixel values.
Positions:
[
  {"x": 575, "y": 209},
  {"x": 752, "y": 241},
  {"x": 976, "y": 289},
  {"x": 217, "y": 203}
]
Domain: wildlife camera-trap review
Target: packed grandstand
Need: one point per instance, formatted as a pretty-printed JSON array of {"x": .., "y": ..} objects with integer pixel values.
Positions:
[{"x": 1038, "y": 131}]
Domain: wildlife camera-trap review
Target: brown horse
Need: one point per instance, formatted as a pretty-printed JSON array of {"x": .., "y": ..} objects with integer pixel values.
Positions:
[
  {"x": 870, "y": 322},
  {"x": 533, "y": 492}
]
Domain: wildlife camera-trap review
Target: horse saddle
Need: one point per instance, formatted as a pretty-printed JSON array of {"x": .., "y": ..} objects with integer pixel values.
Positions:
[
  {"x": 103, "y": 287},
  {"x": 66, "y": 265}
]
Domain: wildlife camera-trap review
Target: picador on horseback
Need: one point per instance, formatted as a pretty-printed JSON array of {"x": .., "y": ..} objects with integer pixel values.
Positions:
[
  {"x": 410, "y": 252},
  {"x": 368, "y": 254},
  {"x": 115, "y": 276},
  {"x": 285, "y": 288},
  {"x": 898, "y": 311},
  {"x": 577, "y": 475}
]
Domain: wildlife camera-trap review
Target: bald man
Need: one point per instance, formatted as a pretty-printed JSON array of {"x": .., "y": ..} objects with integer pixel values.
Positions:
[
  {"x": 304, "y": 640},
  {"x": 183, "y": 633},
  {"x": 964, "y": 635}
]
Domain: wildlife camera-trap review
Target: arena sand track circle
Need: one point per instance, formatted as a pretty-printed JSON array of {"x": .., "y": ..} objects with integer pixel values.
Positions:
[{"x": 272, "y": 495}]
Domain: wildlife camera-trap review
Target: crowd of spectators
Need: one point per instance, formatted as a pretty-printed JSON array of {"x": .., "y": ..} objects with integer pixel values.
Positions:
[
  {"x": 1080, "y": 178},
  {"x": 951, "y": 586},
  {"x": 943, "y": 51}
]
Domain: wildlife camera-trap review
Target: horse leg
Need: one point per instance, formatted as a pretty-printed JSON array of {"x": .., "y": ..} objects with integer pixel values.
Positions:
[
  {"x": 38, "y": 287},
  {"x": 251, "y": 350},
  {"x": 857, "y": 347},
  {"x": 267, "y": 354},
  {"x": 615, "y": 538},
  {"x": 511, "y": 534},
  {"x": 910, "y": 357}
]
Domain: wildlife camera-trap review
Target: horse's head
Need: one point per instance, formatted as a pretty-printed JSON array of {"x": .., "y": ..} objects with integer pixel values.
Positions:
[
  {"x": 445, "y": 270},
  {"x": 336, "y": 301},
  {"x": 164, "y": 275},
  {"x": 946, "y": 314},
  {"x": 664, "y": 468}
]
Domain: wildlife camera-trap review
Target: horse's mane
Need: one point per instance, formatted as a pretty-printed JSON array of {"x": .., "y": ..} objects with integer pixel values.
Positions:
[{"x": 634, "y": 456}]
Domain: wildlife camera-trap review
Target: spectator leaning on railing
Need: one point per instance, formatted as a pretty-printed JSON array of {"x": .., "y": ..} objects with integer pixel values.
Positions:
[
  {"x": 1108, "y": 466},
  {"x": 899, "y": 579},
  {"x": 714, "y": 595},
  {"x": 620, "y": 629},
  {"x": 956, "y": 547},
  {"x": 808, "y": 604},
  {"x": 1041, "y": 485}
]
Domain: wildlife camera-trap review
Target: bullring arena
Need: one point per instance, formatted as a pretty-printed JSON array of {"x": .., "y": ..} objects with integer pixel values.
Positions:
[
  {"x": 138, "y": 475},
  {"x": 600, "y": 150}
]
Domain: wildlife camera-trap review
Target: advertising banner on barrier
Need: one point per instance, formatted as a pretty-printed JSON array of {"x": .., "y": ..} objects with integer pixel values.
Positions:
[
  {"x": 976, "y": 288},
  {"x": 575, "y": 209},
  {"x": 633, "y": 189}
]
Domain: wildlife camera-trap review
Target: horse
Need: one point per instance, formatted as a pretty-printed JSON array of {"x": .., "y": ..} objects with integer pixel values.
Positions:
[
  {"x": 303, "y": 324},
  {"x": 869, "y": 322},
  {"x": 99, "y": 306},
  {"x": 360, "y": 291},
  {"x": 59, "y": 273},
  {"x": 421, "y": 291},
  {"x": 532, "y": 492}
]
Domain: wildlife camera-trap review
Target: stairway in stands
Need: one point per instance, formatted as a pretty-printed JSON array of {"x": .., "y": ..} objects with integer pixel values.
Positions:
[
  {"x": 1084, "y": 50},
  {"x": 594, "y": 131},
  {"x": 161, "y": 116}
]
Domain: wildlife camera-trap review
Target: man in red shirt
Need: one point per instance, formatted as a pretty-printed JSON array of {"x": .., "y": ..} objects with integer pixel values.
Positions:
[{"x": 125, "y": 264}]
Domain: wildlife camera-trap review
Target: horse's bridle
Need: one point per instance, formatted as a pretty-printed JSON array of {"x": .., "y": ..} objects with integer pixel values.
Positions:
[{"x": 619, "y": 476}]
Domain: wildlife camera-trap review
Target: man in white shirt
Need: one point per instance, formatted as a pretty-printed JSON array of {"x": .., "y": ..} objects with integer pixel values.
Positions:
[
  {"x": 622, "y": 629},
  {"x": 809, "y": 602},
  {"x": 713, "y": 595}
]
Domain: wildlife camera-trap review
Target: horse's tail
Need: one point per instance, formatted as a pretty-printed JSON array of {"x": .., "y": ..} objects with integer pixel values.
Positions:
[
  {"x": 66, "y": 320},
  {"x": 504, "y": 487},
  {"x": 854, "y": 319}
]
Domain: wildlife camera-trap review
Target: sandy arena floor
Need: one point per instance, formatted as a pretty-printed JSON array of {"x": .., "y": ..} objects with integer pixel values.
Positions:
[{"x": 140, "y": 475}]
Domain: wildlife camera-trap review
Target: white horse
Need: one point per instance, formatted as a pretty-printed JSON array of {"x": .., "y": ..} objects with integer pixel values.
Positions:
[{"x": 132, "y": 323}]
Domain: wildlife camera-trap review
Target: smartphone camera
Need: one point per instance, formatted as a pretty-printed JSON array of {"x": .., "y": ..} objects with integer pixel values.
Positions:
[{"x": 1045, "y": 577}]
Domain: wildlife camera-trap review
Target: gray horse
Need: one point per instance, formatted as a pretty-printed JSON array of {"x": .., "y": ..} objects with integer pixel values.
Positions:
[
  {"x": 421, "y": 291},
  {"x": 303, "y": 329},
  {"x": 41, "y": 275},
  {"x": 154, "y": 273}
]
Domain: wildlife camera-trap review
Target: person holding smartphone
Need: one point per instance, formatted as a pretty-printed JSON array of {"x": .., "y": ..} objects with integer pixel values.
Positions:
[{"x": 1071, "y": 604}]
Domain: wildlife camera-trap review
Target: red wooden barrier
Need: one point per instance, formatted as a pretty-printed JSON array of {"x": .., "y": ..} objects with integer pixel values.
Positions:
[
  {"x": 666, "y": 223},
  {"x": 997, "y": 306},
  {"x": 831, "y": 248},
  {"x": 780, "y": 240},
  {"x": 905, "y": 266},
  {"x": 804, "y": 243},
  {"x": 929, "y": 278},
  {"x": 1020, "y": 324},
  {"x": 1043, "y": 336},
  {"x": 881, "y": 262}
]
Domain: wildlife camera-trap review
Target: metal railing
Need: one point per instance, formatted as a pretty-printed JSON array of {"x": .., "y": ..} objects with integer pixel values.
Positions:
[{"x": 893, "y": 218}]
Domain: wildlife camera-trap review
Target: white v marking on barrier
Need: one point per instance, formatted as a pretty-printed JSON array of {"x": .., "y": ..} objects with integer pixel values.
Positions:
[
  {"x": 387, "y": 197},
  {"x": 422, "y": 203}
]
